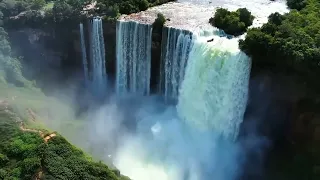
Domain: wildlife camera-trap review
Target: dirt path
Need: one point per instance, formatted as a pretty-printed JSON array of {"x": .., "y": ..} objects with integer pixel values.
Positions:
[
  {"x": 46, "y": 138},
  {"x": 23, "y": 128},
  {"x": 5, "y": 104}
]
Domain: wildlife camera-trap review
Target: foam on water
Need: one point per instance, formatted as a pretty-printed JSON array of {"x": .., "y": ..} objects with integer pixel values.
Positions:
[
  {"x": 214, "y": 92},
  {"x": 194, "y": 14}
]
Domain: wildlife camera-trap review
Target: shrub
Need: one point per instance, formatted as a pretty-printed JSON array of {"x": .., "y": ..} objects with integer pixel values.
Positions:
[
  {"x": 16, "y": 172},
  {"x": 296, "y": 4},
  {"x": 245, "y": 16},
  {"x": 233, "y": 23},
  {"x": 30, "y": 166},
  {"x": 3, "y": 160},
  {"x": 25, "y": 145},
  {"x": 3, "y": 173},
  {"x": 37, "y": 4},
  {"x": 142, "y": 4},
  {"x": 159, "y": 21}
]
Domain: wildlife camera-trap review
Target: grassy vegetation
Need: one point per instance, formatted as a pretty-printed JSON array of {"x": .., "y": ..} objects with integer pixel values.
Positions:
[{"x": 25, "y": 154}]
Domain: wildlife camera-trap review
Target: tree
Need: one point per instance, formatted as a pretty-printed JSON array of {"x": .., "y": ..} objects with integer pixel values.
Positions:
[
  {"x": 234, "y": 23},
  {"x": 245, "y": 16},
  {"x": 296, "y": 4},
  {"x": 289, "y": 42},
  {"x": 128, "y": 6},
  {"x": 5, "y": 48},
  {"x": 276, "y": 18},
  {"x": 159, "y": 22},
  {"x": 37, "y": 4},
  {"x": 68, "y": 11}
]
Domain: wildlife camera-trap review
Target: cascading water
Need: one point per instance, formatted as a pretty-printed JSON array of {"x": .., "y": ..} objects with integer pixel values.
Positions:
[
  {"x": 214, "y": 92},
  {"x": 174, "y": 59},
  {"x": 215, "y": 87},
  {"x": 183, "y": 142},
  {"x": 97, "y": 49},
  {"x": 84, "y": 54},
  {"x": 133, "y": 57}
]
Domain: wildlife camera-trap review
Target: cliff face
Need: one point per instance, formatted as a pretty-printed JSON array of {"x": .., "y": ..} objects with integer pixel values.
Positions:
[
  {"x": 48, "y": 54},
  {"x": 296, "y": 154},
  {"x": 305, "y": 134},
  {"x": 54, "y": 53},
  {"x": 156, "y": 58},
  {"x": 110, "y": 36},
  {"x": 284, "y": 111}
]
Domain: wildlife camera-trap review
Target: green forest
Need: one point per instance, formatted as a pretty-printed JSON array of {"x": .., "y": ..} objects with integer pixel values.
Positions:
[{"x": 289, "y": 42}]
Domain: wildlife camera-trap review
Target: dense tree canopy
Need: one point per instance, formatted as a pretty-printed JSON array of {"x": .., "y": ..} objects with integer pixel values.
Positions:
[
  {"x": 291, "y": 40},
  {"x": 14, "y": 7},
  {"x": 70, "y": 10},
  {"x": 233, "y": 23}
]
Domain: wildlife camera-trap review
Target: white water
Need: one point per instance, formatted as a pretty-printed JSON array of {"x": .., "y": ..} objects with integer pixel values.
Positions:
[
  {"x": 261, "y": 9},
  {"x": 214, "y": 92},
  {"x": 184, "y": 142},
  {"x": 98, "y": 65},
  {"x": 174, "y": 56},
  {"x": 193, "y": 15},
  {"x": 84, "y": 54},
  {"x": 133, "y": 58}
]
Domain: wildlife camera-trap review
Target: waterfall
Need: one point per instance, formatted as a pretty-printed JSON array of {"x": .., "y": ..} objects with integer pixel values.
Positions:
[
  {"x": 84, "y": 54},
  {"x": 175, "y": 52},
  {"x": 133, "y": 57},
  {"x": 215, "y": 88},
  {"x": 97, "y": 49}
]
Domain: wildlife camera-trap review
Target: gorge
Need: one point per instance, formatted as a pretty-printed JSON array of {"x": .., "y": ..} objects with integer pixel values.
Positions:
[
  {"x": 179, "y": 100},
  {"x": 204, "y": 85}
]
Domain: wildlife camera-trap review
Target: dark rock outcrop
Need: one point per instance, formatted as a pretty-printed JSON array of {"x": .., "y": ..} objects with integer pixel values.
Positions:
[{"x": 282, "y": 115}]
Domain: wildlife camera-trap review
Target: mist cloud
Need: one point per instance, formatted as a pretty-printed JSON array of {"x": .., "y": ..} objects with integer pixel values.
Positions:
[{"x": 159, "y": 146}]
